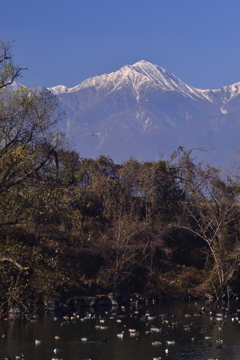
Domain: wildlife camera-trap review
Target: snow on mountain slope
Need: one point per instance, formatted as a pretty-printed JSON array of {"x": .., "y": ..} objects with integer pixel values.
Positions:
[
  {"x": 15, "y": 86},
  {"x": 144, "y": 74},
  {"x": 137, "y": 76}
]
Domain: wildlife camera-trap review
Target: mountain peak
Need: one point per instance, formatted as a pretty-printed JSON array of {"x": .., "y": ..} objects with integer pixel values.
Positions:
[
  {"x": 138, "y": 77},
  {"x": 163, "y": 78},
  {"x": 144, "y": 64}
]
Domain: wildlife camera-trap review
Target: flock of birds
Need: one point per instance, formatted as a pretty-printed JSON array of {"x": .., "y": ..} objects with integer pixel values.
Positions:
[{"x": 163, "y": 337}]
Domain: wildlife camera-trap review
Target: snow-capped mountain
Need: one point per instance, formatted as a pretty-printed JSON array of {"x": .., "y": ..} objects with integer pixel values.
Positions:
[{"x": 146, "y": 112}]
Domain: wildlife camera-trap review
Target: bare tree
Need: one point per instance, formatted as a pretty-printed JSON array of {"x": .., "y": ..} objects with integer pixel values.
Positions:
[
  {"x": 8, "y": 70},
  {"x": 28, "y": 143},
  {"x": 27, "y": 138},
  {"x": 210, "y": 211}
]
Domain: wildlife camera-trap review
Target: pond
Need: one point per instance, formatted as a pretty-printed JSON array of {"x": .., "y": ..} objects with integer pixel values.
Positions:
[{"x": 188, "y": 330}]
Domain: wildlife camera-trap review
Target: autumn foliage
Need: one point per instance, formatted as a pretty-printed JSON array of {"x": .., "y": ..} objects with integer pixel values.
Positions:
[{"x": 85, "y": 226}]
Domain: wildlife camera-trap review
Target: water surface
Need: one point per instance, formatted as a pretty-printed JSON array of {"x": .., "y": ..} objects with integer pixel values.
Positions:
[{"x": 188, "y": 324}]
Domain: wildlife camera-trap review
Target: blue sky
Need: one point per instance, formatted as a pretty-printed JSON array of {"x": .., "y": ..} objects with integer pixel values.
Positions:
[{"x": 65, "y": 42}]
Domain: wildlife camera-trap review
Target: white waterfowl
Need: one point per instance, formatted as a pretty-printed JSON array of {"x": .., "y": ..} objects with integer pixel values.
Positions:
[
  {"x": 156, "y": 343},
  {"x": 56, "y": 351},
  {"x": 132, "y": 330},
  {"x": 38, "y": 342},
  {"x": 120, "y": 335},
  {"x": 135, "y": 333},
  {"x": 103, "y": 327},
  {"x": 18, "y": 357},
  {"x": 171, "y": 342}
]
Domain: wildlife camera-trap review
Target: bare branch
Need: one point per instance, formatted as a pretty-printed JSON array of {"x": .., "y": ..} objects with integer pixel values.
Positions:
[{"x": 21, "y": 268}]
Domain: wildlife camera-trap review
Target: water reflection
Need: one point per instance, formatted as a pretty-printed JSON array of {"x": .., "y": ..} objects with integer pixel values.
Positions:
[{"x": 201, "y": 330}]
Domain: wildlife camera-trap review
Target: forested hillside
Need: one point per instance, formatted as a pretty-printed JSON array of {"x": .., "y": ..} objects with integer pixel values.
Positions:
[{"x": 79, "y": 225}]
